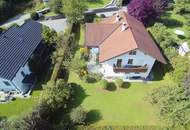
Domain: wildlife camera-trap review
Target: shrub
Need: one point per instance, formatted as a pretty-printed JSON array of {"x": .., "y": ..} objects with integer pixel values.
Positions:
[
  {"x": 104, "y": 84},
  {"x": 94, "y": 77},
  {"x": 89, "y": 18},
  {"x": 84, "y": 53},
  {"x": 34, "y": 16},
  {"x": 83, "y": 73},
  {"x": 78, "y": 115},
  {"x": 119, "y": 83}
]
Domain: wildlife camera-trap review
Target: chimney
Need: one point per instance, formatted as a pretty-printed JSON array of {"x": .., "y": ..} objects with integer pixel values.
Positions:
[
  {"x": 117, "y": 18},
  {"x": 124, "y": 26}
]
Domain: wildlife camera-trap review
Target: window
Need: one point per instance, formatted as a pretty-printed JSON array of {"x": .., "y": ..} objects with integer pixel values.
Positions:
[
  {"x": 23, "y": 74},
  {"x": 119, "y": 62},
  {"x": 132, "y": 53},
  {"x": 6, "y": 83},
  {"x": 130, "y": 61}
]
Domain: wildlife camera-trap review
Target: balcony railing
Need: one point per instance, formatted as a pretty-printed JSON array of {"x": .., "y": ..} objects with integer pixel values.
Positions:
[{"x": 129, "y": 69}]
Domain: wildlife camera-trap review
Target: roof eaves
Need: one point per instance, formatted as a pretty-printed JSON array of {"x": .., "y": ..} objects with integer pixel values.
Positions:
[{"x": 117, "y": 55}]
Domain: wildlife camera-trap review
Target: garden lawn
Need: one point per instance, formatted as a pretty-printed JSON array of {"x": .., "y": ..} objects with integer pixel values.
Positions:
[
  {"x": 123, "y": 106},
  {"x": 176, "y": 22},
  {"x": 97, "y": 3},
  {"x": 19, "y": 106}
]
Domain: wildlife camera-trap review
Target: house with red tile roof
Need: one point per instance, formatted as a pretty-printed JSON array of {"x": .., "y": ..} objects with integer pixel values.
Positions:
[{"x": 121, "y": 47}]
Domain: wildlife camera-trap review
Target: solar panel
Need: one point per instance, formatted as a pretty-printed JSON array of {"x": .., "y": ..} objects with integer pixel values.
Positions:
[{"x": 16, "y": 46}]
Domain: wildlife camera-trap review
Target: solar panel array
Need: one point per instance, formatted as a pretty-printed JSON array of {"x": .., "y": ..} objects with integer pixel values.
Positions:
[{"x": 16, "y": 46}]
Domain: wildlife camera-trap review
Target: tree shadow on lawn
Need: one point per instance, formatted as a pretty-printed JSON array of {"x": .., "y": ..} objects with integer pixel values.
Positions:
[
  {"x": 171, "y": 23},
  {"x": 78, "y": 95},
  {"x": 93, "y": 116}
]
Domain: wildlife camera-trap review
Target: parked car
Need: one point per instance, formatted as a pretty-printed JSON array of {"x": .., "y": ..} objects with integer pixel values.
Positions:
[{"x": 43, "y": 11}]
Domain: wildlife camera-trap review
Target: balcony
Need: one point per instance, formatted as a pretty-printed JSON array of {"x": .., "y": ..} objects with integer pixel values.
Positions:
[{"x": 129, "y": 69}]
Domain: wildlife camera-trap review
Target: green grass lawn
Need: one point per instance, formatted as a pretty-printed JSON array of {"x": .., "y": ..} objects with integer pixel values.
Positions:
[
  {"x": 176, "y": 22},
  {"x": 123, "y": 106},
  {"x": 19, "y": 106},
  {"x": 97, "y": 3}
]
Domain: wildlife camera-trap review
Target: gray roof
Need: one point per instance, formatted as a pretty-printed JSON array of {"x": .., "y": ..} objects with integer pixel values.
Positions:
[{"x": 16, "y": 46}]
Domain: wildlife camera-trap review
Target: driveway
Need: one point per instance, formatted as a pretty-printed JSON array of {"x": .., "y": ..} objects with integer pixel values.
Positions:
[{"x": 58, "y": 25}]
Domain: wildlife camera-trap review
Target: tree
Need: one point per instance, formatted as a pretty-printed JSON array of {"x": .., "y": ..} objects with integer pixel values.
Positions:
[
  {"x": 182, "y": 6},
  {"x": 74, "y": 10},
  {"x": 56, "y": 5},
  {"x": 34, "y": 16},
  {"x": 181, "y": 67},
  {"x": 174, "y": 105},
  {"x": 78, "y": 115},
  {"x": 146, "y": 10},
  {"x": 56, "y": 95},
  {"x": 77, "y": 64},
  {"x": 49, "y": 35}
]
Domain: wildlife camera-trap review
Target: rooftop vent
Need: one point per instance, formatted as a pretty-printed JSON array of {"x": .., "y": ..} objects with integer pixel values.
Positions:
[
  {"x": 117, "y": 18},
  {"x": 124, "y": 26}
]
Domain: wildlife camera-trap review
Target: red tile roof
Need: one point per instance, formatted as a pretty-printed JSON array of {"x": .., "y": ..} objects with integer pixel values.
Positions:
[
  {"x": 113, "y": 42},
  {"x": 96, "y": 33}
]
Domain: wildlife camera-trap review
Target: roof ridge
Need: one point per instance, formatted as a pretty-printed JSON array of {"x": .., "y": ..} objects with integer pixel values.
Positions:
[{"x": 109, "y": 34}]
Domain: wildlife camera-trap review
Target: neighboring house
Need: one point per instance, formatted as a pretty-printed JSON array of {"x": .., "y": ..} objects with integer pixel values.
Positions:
[
  {"x": 121, "y": 47},
  {"x": 17, "y": 45}
]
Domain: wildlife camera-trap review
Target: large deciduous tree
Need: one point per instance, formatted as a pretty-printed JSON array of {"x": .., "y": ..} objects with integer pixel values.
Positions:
[
  {"x": 74, "y": 10},
  {"x": 174, "y": 105},
  {"x": 146, "y": 10}
]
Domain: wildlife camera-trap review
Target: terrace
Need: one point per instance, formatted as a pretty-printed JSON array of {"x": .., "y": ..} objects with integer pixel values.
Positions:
[{"x": 129, "y": 68}]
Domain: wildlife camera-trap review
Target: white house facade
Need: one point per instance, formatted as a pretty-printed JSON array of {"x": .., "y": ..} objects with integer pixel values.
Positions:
[
  {"x": 128, "y": 66},
  {"x": 121, "y": 47},
  {"x": 18, "y": 80},
  {"x": 16, "y": 84}
]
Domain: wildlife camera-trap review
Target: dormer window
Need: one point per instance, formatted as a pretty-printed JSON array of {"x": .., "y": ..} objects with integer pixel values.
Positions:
[{"x": 132, "y": 52}]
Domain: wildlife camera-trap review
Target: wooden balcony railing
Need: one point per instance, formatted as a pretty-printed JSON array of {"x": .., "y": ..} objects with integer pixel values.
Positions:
[{"x": 137, "y": 69}]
